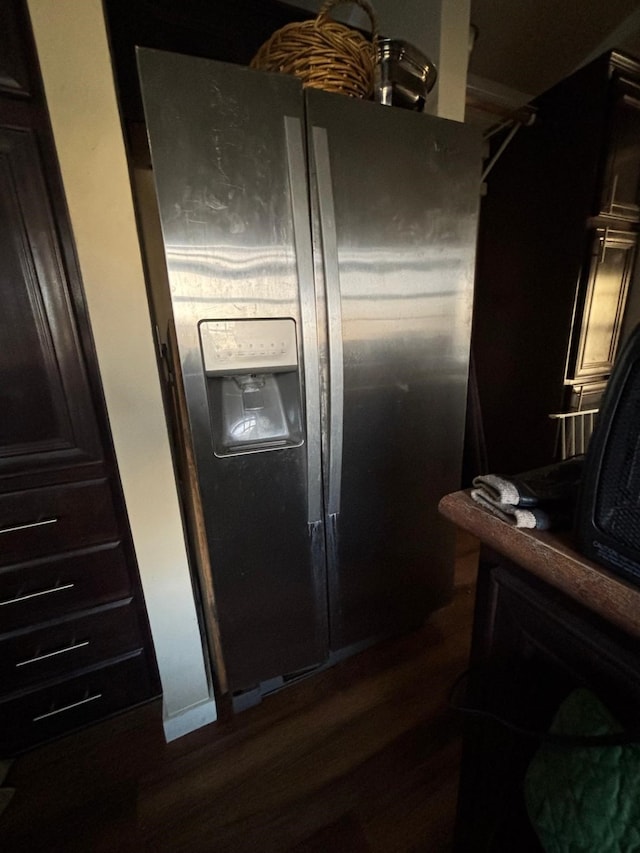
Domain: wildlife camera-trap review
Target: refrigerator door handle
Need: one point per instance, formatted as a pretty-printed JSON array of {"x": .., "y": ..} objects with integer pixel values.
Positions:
[
  {"x": 322, "y": 163},
  {"x": 304, "y": 263}
]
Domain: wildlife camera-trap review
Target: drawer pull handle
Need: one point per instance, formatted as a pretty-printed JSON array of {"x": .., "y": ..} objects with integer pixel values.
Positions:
[
  {"x": 29, "y": 525},
  {"x": 20, "y": 598},
  {"x": 67, "y": 707},
  {"x": 37, "y": 658}
]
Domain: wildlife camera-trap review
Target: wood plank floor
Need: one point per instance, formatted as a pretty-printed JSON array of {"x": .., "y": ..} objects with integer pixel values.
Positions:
[{"x": 362, "y": 757}]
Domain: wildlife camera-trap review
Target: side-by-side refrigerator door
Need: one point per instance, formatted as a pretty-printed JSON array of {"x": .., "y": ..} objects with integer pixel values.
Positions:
[
  {"x": 395, "y": 203},
  {"x": 228, "y": 155}
]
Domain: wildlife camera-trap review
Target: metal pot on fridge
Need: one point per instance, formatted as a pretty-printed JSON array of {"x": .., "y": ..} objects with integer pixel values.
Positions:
[{"x": 404, "y": 76}]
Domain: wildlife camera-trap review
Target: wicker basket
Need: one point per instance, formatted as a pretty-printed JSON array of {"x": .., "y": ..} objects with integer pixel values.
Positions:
[{"x": 323, "y": 54}]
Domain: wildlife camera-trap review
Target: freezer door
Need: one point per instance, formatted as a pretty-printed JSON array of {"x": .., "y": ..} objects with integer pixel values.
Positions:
[
  {"x": 395, "y": 203},
  {"x": 228, "y": 154}
]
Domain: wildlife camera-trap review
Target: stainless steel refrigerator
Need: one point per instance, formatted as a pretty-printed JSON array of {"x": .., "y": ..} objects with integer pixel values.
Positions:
[{"x": 320, "y": 257}]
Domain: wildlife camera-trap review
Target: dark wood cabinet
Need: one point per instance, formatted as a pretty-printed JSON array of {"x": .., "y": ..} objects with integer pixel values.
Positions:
[
  {"x": 14, "y": 71},
  {"x": 547, "y": 620},
  {"x": 533, "y": 646},
  {"x": 556, "y": 254},
  {"x": 74, "y": 638},
  {"x": 47, "y": 417}
]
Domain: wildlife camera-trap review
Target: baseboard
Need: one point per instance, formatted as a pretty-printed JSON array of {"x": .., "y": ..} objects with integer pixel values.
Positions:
[{"x": 190, "y": 719}]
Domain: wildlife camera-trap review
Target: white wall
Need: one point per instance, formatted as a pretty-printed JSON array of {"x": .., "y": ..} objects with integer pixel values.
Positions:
[
  {"x": 453, "y": 59},
  {"x": 74, "y": 57}
]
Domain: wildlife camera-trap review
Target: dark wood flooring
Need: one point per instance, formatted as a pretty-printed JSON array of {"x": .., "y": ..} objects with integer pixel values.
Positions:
[{"x": 362, "y": 758}]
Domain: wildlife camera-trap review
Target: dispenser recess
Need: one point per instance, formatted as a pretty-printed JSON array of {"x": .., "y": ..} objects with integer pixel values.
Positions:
[{"x": 253, "y": 384}]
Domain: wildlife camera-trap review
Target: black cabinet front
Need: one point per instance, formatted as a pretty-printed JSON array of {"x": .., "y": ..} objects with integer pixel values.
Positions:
[{"x": 74, "y": 638}]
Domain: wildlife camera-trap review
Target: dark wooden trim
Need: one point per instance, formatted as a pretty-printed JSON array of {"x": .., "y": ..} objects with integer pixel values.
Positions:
[{"x": 553, "y": 559}]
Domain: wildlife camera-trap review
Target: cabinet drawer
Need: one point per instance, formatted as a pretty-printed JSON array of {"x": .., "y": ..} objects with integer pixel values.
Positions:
[
  {"x": 60, "y": 708},
  {"x": 47, "y": 589},
  {"x": 56, "y": 651},
  {"x": 54, "y": 519}
]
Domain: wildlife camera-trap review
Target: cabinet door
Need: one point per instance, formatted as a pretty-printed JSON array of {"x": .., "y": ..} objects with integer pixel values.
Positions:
[
  {"x": 47, "y": 416},
  {"x": 599, "y": 325},
  {"x": 394, "y": 228},
  {"x": 621, "y": 186},
  {"x": 14, "y": 76}
]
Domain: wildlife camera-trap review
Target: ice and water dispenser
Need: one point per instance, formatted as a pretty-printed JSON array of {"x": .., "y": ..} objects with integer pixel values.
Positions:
[{"x": 253, "y": 384}]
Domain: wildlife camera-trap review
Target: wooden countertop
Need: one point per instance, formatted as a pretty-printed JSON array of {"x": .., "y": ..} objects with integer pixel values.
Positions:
[{"x": 552, "y": 558}]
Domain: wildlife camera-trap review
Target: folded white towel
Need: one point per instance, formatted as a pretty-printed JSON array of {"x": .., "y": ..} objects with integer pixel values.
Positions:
[
  {"x": 531, "y": 518},
  {"x": 501, "y": 490}
]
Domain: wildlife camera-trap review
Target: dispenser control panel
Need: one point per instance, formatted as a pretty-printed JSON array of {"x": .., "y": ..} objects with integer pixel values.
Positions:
[{"x": 248, "y": 346}]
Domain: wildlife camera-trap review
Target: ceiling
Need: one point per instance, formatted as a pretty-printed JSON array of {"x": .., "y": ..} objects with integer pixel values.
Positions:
[
  {"x": 529, "y": 45},
  {"x": 525, "y": 46}
]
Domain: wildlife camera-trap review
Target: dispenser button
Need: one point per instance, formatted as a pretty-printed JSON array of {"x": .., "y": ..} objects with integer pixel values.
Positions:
[{"x": 232, "y": 346}]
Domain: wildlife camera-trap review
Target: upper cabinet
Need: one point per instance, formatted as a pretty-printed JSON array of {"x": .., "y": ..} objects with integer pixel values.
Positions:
[
  {"x": 621, "y": 184},
  {"x": 556, "y": 254},
  {"x": 74, "y": 640}
]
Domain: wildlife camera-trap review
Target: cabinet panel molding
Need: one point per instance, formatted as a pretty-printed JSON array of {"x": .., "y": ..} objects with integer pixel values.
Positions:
[
  {"x": 74, "y": 634},
  {"x": 47, "y": 411},
  {"x": 611, "y": 261},
  {"x": 14, "y": 74}
]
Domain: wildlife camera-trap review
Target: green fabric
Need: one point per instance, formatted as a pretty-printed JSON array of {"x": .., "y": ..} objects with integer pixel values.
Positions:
[{"x": 585, "y": 798}]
